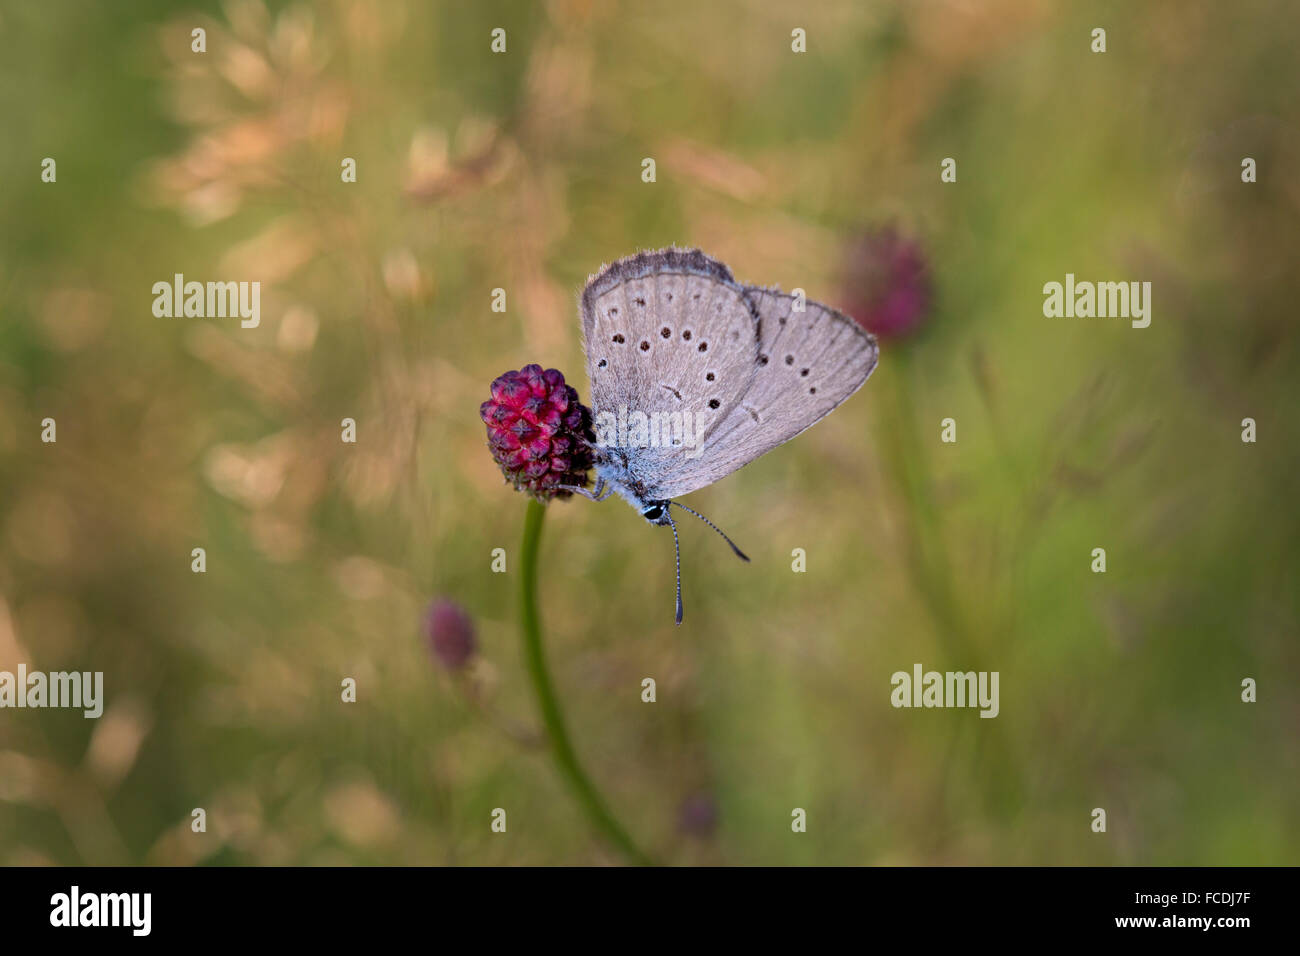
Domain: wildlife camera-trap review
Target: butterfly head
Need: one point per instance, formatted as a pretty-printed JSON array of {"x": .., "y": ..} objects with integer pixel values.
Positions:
[{"x": 656, "y": 512}]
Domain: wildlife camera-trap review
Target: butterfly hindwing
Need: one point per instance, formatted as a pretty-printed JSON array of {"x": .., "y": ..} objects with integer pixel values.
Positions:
[{"x": 806, "y": 364}]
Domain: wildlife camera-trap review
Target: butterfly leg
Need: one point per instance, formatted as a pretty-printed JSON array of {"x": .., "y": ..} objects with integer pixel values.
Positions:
[{"x": 581, "y": 491}]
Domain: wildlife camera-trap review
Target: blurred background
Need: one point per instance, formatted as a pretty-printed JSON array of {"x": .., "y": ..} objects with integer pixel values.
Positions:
[{"x": 522, "y": 171}]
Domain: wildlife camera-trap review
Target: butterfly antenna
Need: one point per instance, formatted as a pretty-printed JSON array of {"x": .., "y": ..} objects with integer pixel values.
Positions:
[
  {"x": 677, "y": 554},
  {"x": 740, "y": 554}
]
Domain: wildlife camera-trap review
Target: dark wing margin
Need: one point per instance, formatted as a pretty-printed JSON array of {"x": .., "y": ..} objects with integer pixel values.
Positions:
[{"x": 642, "y": 264}]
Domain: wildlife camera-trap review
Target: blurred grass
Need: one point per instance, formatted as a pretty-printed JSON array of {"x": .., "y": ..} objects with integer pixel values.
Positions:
[{"x": 522, "y": 171}]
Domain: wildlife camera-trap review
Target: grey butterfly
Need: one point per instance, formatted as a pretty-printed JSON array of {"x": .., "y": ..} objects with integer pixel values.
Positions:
[{"x": 694, "y": 375}]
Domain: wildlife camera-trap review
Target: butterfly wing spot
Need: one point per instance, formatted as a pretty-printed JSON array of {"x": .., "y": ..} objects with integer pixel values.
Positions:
[
  {"x": 645, "y": 346},
  {"x": 704, "y": 347},
  {"x": 666, "y": 332},
  {"x": 804, "y": 373},
  {"x": 612, "y": 312},
  {"x": 676, "y": 394},
  {"x": 714, "y": 403},
  {"x": 762, "y": 360},
  {"x": 639, "y": 301},
  {"x": 602, "y": 363},
  {"x": 709, "y": 377},
  {"x": 753, "y": 412},
  {"x": 813, "y": 390},
  {"x": 686, "y": 335},
  {"x": 789, "y": 360},
  {"x": 618, "y": 339}
]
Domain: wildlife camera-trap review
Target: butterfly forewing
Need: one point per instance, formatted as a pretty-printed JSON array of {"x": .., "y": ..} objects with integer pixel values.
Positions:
[{"x": 668, "y": 332}]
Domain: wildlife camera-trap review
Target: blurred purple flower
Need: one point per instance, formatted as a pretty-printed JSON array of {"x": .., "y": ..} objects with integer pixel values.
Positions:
[
  {"x": 698, "y": 816},
  {"x": 451, "y": 634},
  {"x": 887, "y": 283}
]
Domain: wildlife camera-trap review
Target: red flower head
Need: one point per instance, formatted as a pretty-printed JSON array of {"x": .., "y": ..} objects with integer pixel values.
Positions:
[{"x": 538, "y": 432}]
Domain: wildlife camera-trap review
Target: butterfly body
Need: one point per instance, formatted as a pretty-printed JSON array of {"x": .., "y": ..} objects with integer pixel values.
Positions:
[{"x": 616, "y": 473}]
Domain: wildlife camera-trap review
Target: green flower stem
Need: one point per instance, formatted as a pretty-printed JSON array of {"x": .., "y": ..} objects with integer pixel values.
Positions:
[{"x": 588, "y": 797}]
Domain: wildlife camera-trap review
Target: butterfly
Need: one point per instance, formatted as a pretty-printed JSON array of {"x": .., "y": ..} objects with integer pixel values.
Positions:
[{"x": 694, "y": 375}]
